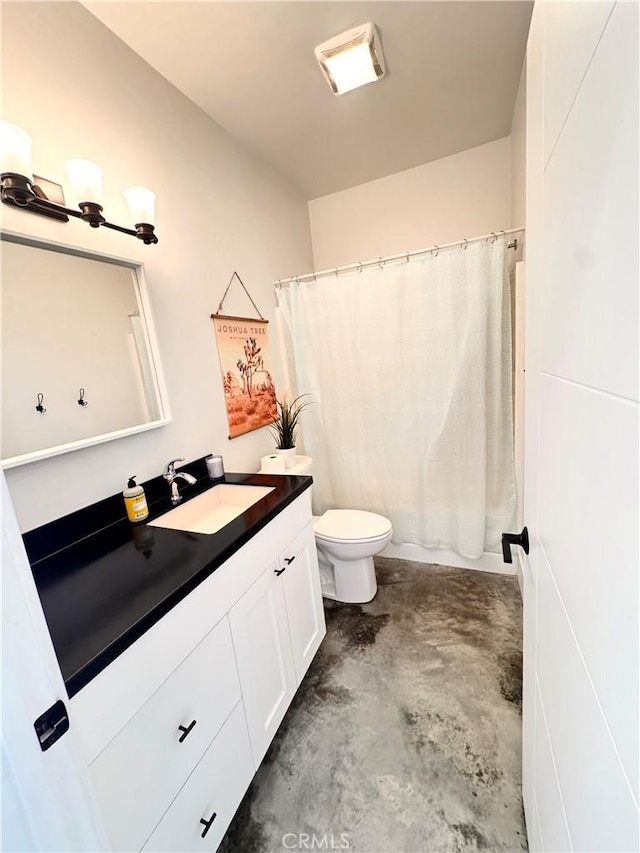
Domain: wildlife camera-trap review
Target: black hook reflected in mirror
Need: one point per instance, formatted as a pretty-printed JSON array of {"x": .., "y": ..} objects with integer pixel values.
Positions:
[
  {"x": 40, "y": 408},
  {"x": 82, "y": 401}
]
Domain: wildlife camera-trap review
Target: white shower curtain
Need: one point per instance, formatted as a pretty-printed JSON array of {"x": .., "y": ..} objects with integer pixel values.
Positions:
[{"x": 409, "y": 370}]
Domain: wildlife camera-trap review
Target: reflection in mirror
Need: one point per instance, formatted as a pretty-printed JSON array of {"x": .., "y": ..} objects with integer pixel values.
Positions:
[{"x": 75, "y": 327}]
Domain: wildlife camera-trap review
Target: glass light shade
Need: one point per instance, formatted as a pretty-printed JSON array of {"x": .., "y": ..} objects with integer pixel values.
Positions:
[
  {"x": 142, "y": 204},
  {"x": 86, "y": 180},
  {"x": 15, "y": 150},
  {"x": 351, "y": 68}
]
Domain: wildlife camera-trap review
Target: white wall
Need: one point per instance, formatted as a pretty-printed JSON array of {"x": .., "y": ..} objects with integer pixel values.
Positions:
[
  {"x": 581, "y": 598},
  {"x": 79, "y": 91},
  {"x": 464, "y": 195}
]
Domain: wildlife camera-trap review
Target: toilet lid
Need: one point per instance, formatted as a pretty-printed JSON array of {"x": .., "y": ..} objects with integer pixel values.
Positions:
[{"x": 351, "y": 524}]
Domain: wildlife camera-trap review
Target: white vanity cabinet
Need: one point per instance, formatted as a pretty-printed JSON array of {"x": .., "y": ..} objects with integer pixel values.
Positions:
[{"x": 174, "y": 729}]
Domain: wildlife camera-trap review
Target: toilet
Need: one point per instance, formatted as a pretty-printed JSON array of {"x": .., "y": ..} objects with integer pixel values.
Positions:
[{"x": 347, "y": 541}]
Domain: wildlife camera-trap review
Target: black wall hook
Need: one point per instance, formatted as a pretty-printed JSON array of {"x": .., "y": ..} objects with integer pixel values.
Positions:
[
  {"x": 509, "y": 539},
  {"x": 40, "y": 408},
  {"x": 82, "y": 401}
]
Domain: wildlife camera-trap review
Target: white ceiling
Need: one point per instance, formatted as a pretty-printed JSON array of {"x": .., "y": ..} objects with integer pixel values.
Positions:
[{"x": 452, "y": 76}]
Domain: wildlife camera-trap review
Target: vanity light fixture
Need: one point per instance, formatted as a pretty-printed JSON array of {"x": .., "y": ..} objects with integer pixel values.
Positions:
[
  {"x": 19, "y": 189},
  {"x": 351, "y": 59}
]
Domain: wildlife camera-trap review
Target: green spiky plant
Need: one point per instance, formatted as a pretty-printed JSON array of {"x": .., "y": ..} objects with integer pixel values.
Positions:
[{"x": 285, "y": 425}]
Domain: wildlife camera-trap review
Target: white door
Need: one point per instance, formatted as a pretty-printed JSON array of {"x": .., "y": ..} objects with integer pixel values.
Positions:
[
  {"x": 581, "y": 458},
  {"x": 47, "y": 800},
  {"x": 261, "y": 641},
  {"x": 303, "y": 596}
]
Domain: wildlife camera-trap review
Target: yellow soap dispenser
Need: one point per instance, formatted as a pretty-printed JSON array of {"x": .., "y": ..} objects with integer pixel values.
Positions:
[{"x": 135, "y": 501}]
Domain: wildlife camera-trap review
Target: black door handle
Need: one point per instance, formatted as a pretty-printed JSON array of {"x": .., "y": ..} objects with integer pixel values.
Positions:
[
  {"x": 280, "y": 571},
  {"x": 509, "y": 539},
  {"x": 207, "y": 824},
  {"x": 185, "y": 730}
]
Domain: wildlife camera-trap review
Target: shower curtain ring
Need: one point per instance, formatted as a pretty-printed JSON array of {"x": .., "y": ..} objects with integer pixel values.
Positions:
[
  {"x": 435, "y": 249},
  {"x": 381, "y": 263},
  {"x": 359, "y": 266},
  {"x": 464, "y": 244},
  {"x": 495, "y": 237},
  {"x": 336, "y": 272},
  {"x": 407, "y": 257}
]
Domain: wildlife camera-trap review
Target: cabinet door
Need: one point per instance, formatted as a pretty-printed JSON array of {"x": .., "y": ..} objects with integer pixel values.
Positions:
[
  {"x": 303, "y": 597},
  {"x": 263, "y": 653}
]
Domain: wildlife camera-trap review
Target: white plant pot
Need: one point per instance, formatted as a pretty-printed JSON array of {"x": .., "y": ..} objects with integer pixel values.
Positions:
[{"x": 289, "y": 456}]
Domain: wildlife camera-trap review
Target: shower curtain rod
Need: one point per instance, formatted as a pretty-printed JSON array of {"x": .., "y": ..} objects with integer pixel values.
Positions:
[{"x": 402, "y": 256}]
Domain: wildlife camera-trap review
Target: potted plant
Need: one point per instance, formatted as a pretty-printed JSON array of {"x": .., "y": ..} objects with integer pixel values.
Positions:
[{"x": 285, "y": 426}]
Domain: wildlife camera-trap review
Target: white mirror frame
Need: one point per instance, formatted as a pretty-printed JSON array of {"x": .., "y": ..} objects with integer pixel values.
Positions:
[{"x": 150, "y": 336}]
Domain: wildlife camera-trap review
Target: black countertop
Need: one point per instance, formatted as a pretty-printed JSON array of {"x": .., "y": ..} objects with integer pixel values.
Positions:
[{"x": 101, "y": 592}]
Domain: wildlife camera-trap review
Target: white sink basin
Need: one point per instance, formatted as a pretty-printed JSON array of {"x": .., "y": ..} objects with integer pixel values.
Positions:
[{"x": 210, "y": 511}]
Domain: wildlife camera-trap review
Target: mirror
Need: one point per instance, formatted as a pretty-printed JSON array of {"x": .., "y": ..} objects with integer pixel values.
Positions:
[{"x": 78, "y": 342}]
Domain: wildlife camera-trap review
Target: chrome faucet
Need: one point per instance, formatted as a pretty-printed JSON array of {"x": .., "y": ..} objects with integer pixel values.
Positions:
[{"x": 171, "y": 475}]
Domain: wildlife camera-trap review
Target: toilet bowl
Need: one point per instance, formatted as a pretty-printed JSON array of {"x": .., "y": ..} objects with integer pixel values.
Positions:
[{"x": 346, "y": 542}]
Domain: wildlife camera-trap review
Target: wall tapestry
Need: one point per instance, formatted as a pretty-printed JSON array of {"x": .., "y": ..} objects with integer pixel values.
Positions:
[{"x": 245, "y": 360}]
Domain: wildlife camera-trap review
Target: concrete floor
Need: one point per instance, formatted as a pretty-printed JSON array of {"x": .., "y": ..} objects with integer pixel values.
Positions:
[{"x": 404, "y": 737}]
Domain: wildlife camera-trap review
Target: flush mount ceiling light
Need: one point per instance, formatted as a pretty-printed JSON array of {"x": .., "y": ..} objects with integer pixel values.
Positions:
[
  {"x": 351, "y": 59},
  {"x": 19, "y": 189}
]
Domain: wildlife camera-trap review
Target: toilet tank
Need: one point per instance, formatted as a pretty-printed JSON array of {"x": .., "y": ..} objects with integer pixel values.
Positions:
[{"x": 302, "y": 465}]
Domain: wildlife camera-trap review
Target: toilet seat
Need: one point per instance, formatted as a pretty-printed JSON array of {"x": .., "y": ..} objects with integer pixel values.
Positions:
[{"x": 351, "y": 525}]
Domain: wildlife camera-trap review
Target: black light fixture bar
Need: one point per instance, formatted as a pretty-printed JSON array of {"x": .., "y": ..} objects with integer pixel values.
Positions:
[
  {"x": 18, "y": 191},
  {"x": 19, "y": 188},
  {"x": 14, "y": 193}
]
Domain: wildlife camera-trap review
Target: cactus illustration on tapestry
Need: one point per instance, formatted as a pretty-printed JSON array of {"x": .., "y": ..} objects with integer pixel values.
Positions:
[{"x": 252, "y": 364}]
